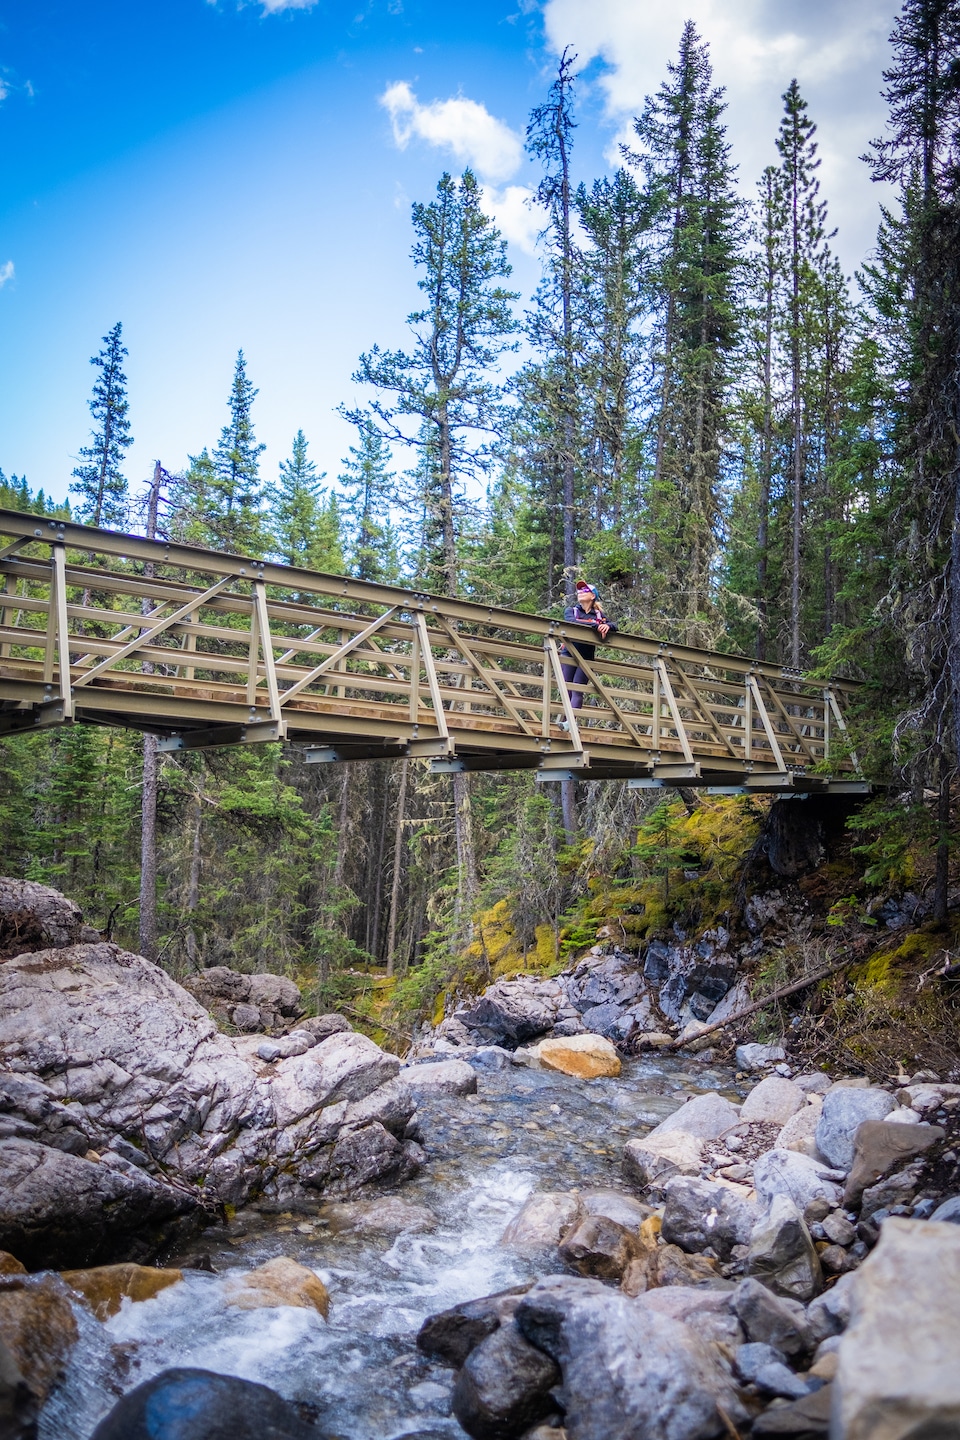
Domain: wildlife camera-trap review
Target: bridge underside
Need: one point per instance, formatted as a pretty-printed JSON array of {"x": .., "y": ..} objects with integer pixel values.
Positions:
[{"x": 204, "y": 649}]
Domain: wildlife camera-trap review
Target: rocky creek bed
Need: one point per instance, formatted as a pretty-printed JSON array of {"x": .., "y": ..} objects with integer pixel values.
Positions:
[{"x": 521, "y": 1232}]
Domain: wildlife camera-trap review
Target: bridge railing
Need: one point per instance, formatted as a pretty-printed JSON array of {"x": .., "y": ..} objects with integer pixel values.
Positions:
[{"x": 116, "y": 629}]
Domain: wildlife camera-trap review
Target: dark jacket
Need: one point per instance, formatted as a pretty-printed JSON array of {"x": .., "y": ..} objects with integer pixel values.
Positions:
[{"x": 591, "y": 619}]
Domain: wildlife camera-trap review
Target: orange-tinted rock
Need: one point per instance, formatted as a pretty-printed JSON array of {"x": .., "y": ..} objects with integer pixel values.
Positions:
[
  {"x": 279, "y": 1282},
  {"x": 585, "y": 1056},
  {"x": 105, "y": 1287}
]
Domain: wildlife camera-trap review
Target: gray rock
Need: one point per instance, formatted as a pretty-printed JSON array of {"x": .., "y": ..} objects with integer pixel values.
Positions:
[
  {"x": 809, "y": 1184},
  {"x": 753, "y": 1356},
  {"x": 771, "y": 1319},
  {"x": 35, "y": 917},
  {"x": 813, "y": 1082},
  {"x": 504, "y": 1386},
  {"x": 775, "y": 1379},
  {"x": 829, "y": 1315},
  {"x": 359, "y": 1157},
  {"x": 320, "y": 1026},
  {"x": 444, "y": 1077},
  {"x": 879, "y": 1148},
  {"x": 772, "y": 1102},
  {"x": 699, "y": 1213},
  {"x": 948, "y": 1212},
  {"x": 896, "y": 1189},
  {"x": 628, "y": 1373},
  {"x": 844, "y": 1110},
  {"x": 909, "y": 1286},
  {"x": 490, "y": 1057},
  {"x": 802, "y": 1419},
  {"x": 783, "y": 1255},
  {"x": 351, "y": 1066},
  {"x": 542, "y": 1222},
  {"x": 392, "y": 1105},
  {"x": 755, "y": 1056},
  {"x": 60, "y": 1212},
  {"x": 651, "y": 1162},
  {"x": 616, "y": 1205},
  {"x": 510, "y": 1012},
  {"x": 838, "y": 1228},
  {"x": 706, "y": 1117},
  {"x": 452, "y": 1334}
]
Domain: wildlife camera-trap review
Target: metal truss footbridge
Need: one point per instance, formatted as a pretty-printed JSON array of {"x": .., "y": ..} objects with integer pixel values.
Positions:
[{"x": 203, "y": 649}]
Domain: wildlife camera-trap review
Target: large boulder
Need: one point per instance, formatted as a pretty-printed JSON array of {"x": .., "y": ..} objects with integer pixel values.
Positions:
[
  {"x": 451, "y": 1335},
  {"x": 701, "y": 1214},
  {"x": 628, "y": 1372},
  {"x": 504, "y": 1386},
  {"x": 585, "y": 1056},
  {"x": 898, "y": 1374},
  {"x": 844, "y": 1110},
  {"x": 772, "y": 1102},
  {"x": 510, "y": 1012},
  {"x": 198, "y": 1405},
  {"x": 280, "y": 1281},
  {"x": 782, "y": 1253},
  {"x": 35, "y": 917},
  {"x": 706, "y": 1117},
  {"x": 59, "y": 1211},
  {"x": 879, "y": 1148},
  {"x": 441, "y": 1077},
  {"x": 814, "y": 1188},
  {"x": 122, "y": 1102},
  {"x": 652, "y": 1161},
  {"x": 248, "y": 1002},
  {"x": 542, "y": 1222}
]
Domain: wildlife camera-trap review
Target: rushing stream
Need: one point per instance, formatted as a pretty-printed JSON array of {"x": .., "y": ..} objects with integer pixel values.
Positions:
[{"x": 361, "y": 1373}]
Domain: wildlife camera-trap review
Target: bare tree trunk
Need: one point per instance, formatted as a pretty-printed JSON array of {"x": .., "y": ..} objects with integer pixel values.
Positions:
[
  {"x": 148, "y": 802},
  {"x": 941, "y": 884},
  {"x": 193, "y": 883},
  {"x": 397, "y": 858},
  {"x": 568, "y": 805}
]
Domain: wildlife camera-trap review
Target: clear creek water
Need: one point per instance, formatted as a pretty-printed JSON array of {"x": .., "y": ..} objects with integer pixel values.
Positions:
[{"x": 525, "y": 1130}]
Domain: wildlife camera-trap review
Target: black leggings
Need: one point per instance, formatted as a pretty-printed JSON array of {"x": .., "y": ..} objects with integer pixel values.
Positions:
[{"x": 574, "y": 675}]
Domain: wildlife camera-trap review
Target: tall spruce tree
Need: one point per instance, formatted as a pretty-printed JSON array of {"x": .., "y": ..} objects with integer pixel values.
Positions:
[
  {"x": 445, "y": 385},
  {"x": 304, "y": 519},
  {"x": 699, "y": 217},
  {"x": 551, "y": 323},
  {"x": 101, "y": 488},
  {"x": 805, "y": 215},
  {"x": 233, "y": 516},
  {"x": 920, "y": 155},
  {"x": 367, "y": 486}
]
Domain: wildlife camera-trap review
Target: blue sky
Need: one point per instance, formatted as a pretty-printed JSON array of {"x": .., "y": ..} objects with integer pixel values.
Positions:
[{"x": 240, "y": 174}]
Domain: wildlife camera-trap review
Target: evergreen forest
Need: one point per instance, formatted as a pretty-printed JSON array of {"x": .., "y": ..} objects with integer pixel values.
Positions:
[{"x": 742, "y": 446}]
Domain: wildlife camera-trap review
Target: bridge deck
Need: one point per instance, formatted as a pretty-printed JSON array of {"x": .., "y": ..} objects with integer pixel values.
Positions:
[{"x": 206, "y": 649}]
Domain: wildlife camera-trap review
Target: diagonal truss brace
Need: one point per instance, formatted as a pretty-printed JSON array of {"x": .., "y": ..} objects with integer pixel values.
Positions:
[
  {"x": 666, "y": 691},
  {"x": 145, "y": 637},
  {"x": 57, "y": 631},
  {"x": 569, "y": 714},
  {"x": 338, "y": 654},
  {"x": 472, "y": 659}
]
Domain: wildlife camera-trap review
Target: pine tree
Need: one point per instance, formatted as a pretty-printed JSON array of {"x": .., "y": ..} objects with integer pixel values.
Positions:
[
  {"x": 805, "y": 215},
  {"x": 551, "y": 323},
  {"x": 234, "y": 518},
  {"x": 615, "y": 303},
  {"x": 445, "y": 384},
  {"x": 367, "y": 484},
  {"x": 690, "y": 182},
  {"x": 101, "y": 487},
  {"x": 304, "y": 520}
]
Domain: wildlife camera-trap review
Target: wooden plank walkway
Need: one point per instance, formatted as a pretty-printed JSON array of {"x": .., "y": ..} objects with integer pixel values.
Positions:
[{"x": 206, "y": 649}]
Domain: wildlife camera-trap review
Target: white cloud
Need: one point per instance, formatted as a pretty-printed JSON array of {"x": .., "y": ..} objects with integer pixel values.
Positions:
[
  {"x": 836, "y": 51},
  {"x": 463, "y": 126},
  {"x": 6, "y": 273},
  {"x": 519, "y": 221},
  {"x": 273, "y": 7},
  {"x": 4, "y": 90}
]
